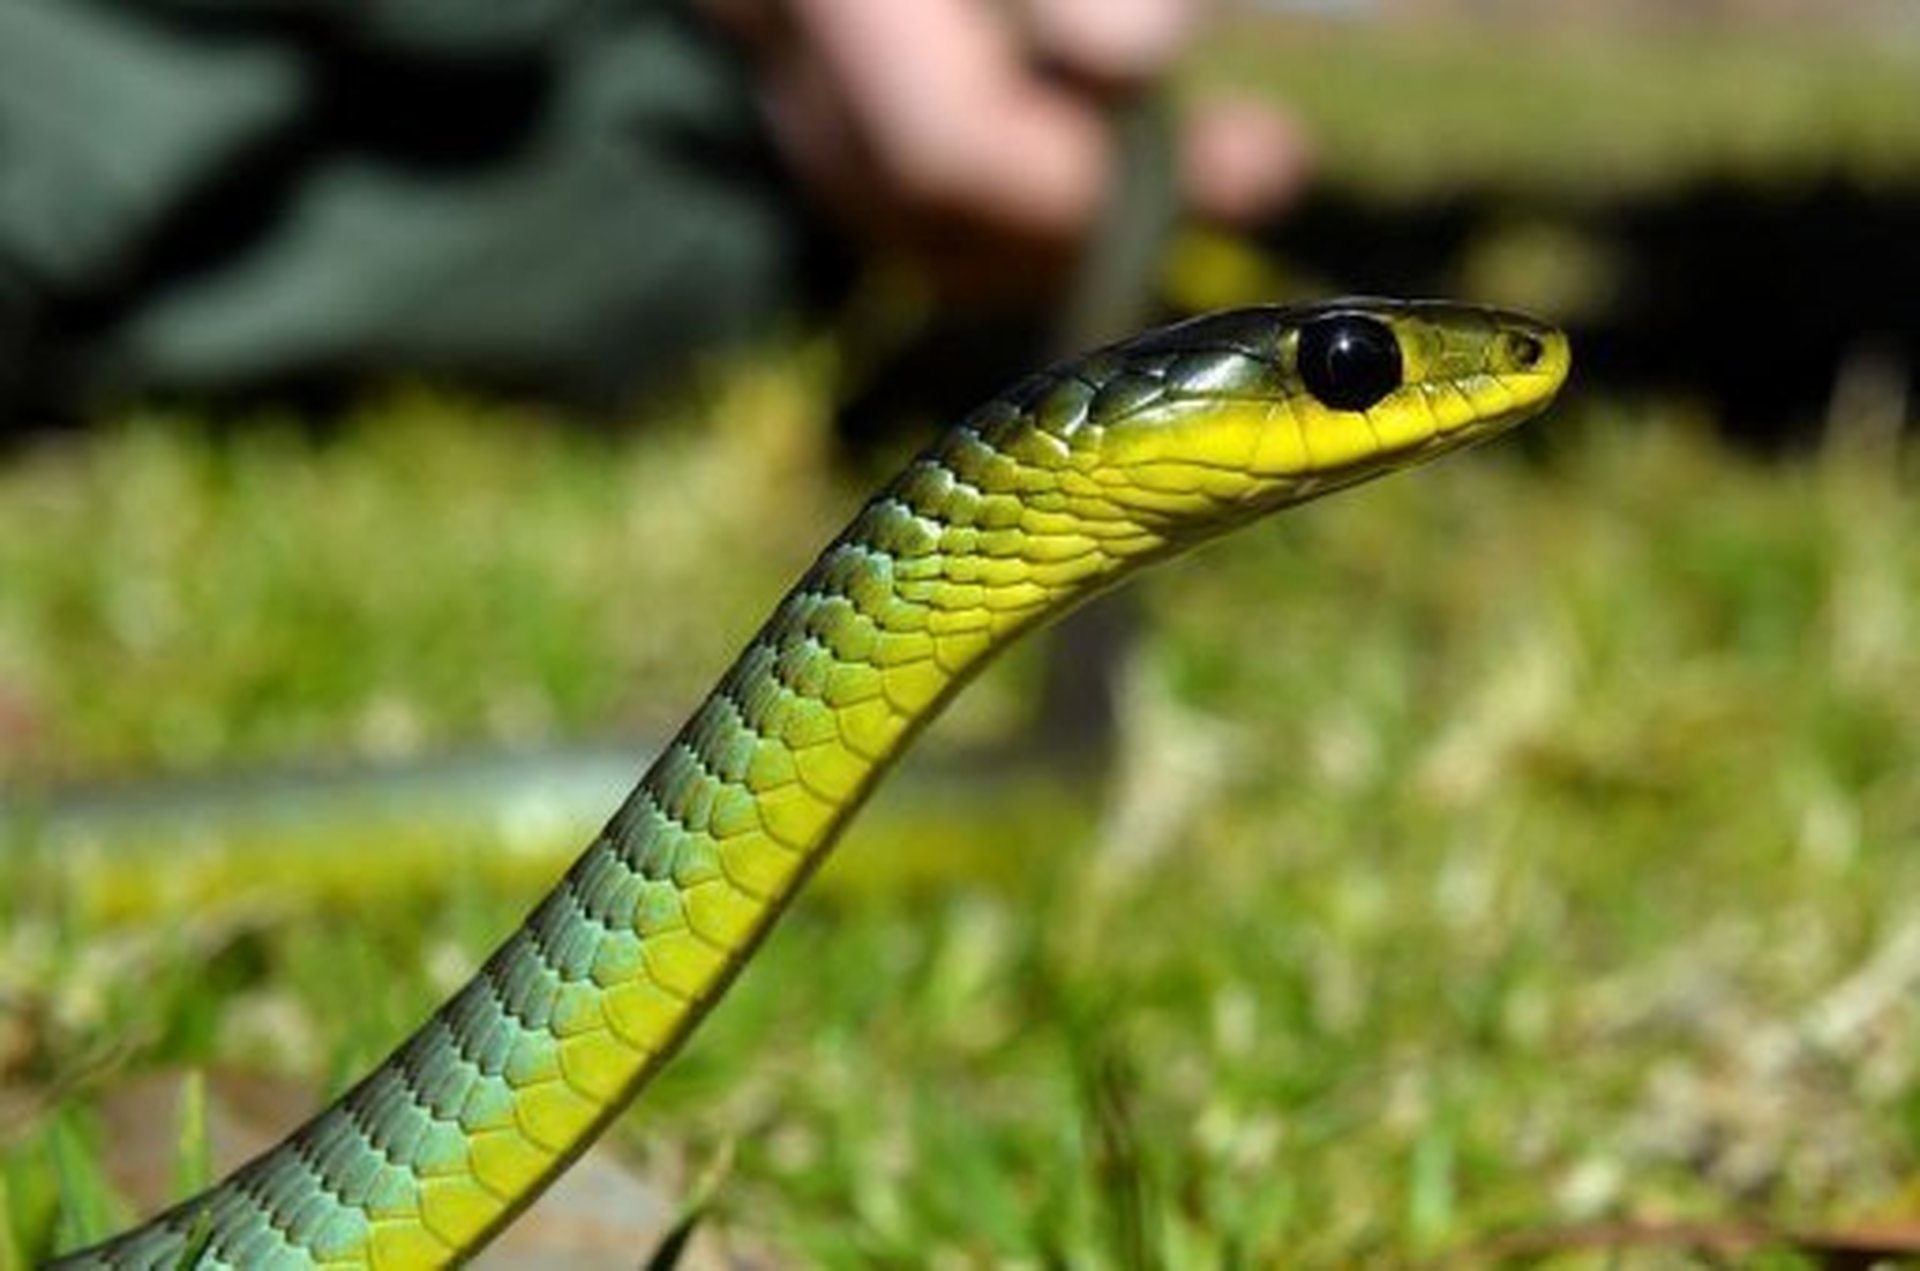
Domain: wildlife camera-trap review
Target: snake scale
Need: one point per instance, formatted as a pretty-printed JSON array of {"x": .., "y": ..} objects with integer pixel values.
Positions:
[{"x": 1057, "y": 488}]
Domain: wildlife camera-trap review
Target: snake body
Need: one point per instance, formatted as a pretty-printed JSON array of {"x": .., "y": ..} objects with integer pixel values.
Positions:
[{"x": 1055, "y": 489}]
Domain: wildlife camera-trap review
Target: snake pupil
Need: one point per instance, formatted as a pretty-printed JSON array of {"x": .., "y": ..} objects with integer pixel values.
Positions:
[{"x": 1348, "y": 361}]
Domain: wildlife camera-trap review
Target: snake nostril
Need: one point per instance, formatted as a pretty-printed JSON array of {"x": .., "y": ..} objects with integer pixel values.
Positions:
[{"x": 1525, "y": 350}]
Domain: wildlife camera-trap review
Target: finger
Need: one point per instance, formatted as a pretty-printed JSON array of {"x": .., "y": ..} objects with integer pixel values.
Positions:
[
  {"x": 1123, "y": 42},
  {"x": 1242, "y": 161}
]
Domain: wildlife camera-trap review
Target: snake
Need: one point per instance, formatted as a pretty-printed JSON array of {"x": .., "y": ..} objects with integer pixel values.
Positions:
[{"x": 1056, "y": 489}]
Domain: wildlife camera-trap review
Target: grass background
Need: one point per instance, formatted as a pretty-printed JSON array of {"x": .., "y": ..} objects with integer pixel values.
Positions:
[{"x": 1521, "y": 843}]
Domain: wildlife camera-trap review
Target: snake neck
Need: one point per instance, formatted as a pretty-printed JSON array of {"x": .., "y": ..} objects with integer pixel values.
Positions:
[
  {"x": 476, "y": 1113},
  {"x": 969, "y": 547}
]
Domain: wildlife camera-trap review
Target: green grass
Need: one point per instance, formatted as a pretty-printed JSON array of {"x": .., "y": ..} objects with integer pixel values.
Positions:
[
  {"x": 1523, "y": 842},
  {"x": 1582, "y": 109}
]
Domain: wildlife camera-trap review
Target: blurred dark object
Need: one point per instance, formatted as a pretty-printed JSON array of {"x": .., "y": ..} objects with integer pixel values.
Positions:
[
  {"x": 228, "y": 197},
  {"x": 1760, "y": 301}
]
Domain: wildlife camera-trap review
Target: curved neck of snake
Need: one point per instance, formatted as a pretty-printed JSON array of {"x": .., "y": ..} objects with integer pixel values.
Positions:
[{"x": 474, "y": 1115}]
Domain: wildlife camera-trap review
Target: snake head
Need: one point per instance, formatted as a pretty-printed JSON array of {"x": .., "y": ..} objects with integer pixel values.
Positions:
[{"x": 1200, "y": 425}]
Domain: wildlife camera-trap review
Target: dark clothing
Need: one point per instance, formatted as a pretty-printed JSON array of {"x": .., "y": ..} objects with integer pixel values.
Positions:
[{"x": 218, "y": 197}]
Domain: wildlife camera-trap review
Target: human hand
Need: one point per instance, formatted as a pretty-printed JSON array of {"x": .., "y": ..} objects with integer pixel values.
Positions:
[{"x": 974, "y": 137}]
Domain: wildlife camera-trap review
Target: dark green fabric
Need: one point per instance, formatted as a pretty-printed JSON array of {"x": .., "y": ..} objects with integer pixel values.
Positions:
[{"x": 213, "y": 197}]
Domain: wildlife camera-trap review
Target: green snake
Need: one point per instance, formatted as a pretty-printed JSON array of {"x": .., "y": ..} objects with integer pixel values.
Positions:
[{"x": 1056, "y": 489}]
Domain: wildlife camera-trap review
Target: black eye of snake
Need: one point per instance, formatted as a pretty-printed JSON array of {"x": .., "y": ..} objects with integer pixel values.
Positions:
[{"x": 1348, "y": 361}]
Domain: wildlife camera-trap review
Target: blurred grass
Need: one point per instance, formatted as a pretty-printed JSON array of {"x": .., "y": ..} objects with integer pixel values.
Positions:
[
  {"x": 255, "y": 596},
  {"x": 1418, "y": 110},
  {"x": 1521, "y": 842}
]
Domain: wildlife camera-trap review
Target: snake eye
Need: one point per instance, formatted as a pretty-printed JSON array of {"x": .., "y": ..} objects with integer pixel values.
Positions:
[{"x": 1348, "y": 361}]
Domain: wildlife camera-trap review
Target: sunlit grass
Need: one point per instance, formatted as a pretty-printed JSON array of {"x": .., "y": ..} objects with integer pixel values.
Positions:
[
  {"x": 1525, "y": 841},
  {"x": 1589, "y": 109},
  {"x": 182, "y": 600}
]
